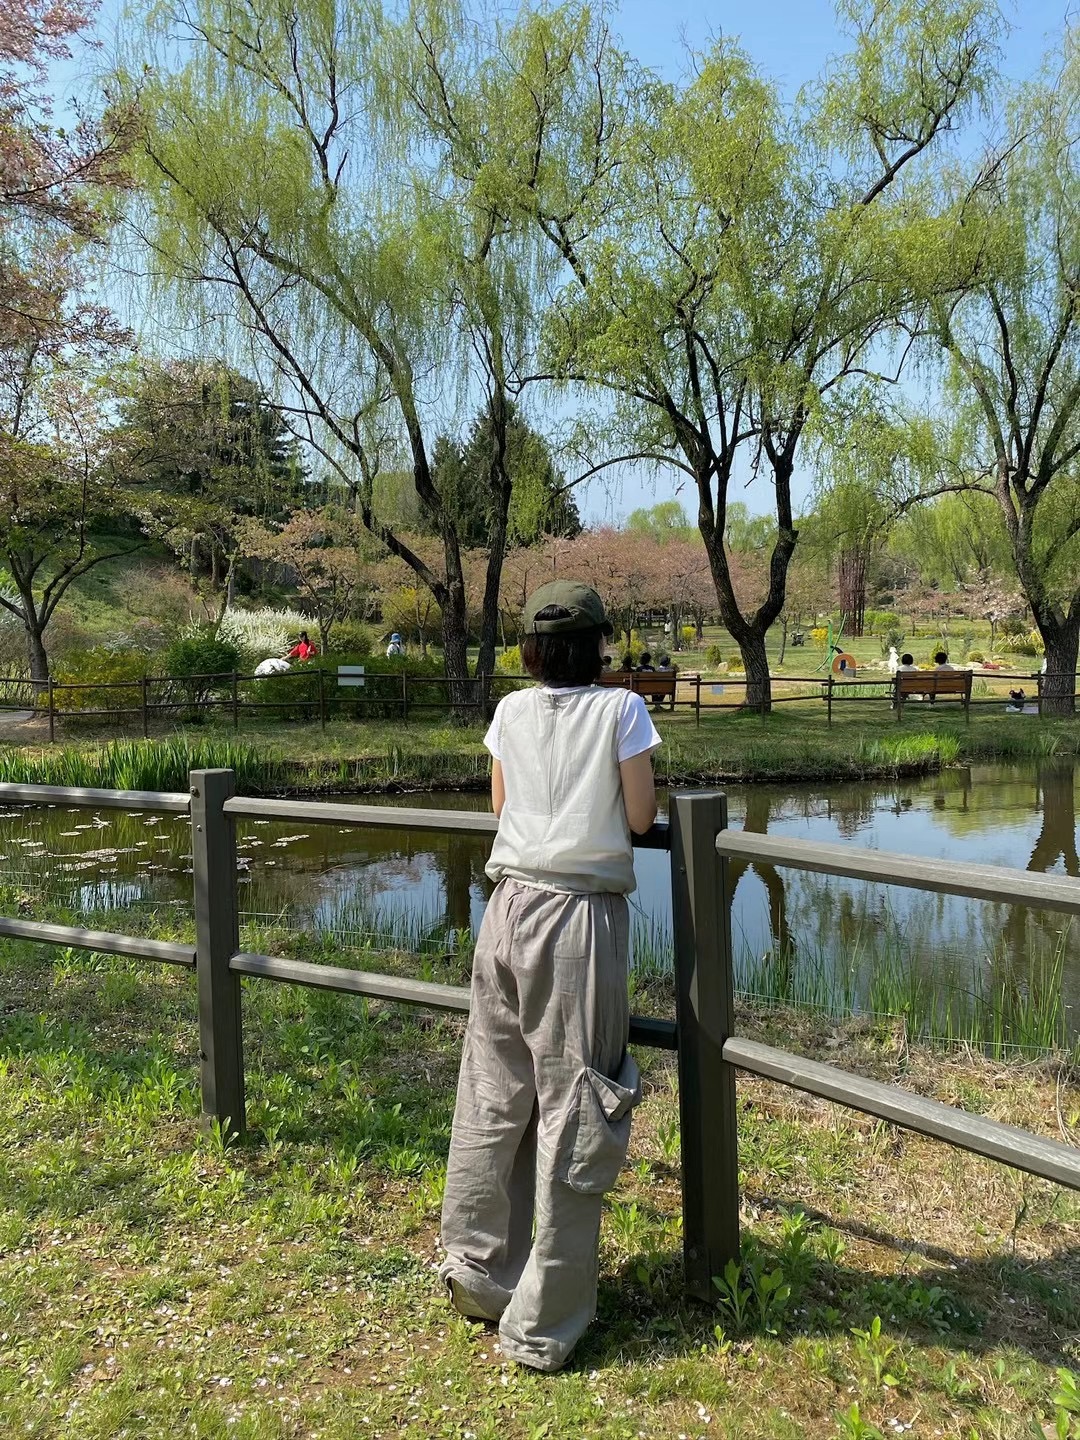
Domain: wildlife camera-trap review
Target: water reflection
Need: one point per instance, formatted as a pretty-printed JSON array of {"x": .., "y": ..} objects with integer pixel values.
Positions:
[{"x": 346, "y": 880}]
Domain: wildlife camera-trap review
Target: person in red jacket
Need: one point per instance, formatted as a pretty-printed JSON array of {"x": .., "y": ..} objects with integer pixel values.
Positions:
[{"x": 303, "y": 649}]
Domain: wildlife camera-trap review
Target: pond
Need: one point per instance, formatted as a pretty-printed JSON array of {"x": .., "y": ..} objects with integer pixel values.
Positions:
[{"x": 798, "y": 936}]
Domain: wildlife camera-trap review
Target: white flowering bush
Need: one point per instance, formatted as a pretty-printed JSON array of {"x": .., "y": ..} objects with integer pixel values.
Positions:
[{"x": 263, "y": 632}]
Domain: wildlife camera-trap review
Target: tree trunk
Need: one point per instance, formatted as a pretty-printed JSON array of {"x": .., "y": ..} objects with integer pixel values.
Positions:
[
  {"x": 1062, "y": 639},
  {"x": 783, "y": 639},
  {"x": 675, "y": 619},
  {"x": 758, "y": 680},
  {"x": 749, "y": 635},
  {"x": 489, "y": 615},
  {"x": 37, "y": 656},
  {"x": 455, "y": 630}
]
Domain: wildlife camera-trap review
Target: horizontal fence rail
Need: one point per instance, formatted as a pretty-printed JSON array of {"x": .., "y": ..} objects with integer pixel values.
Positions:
[
  {"x": 103, "y": 941},
  {"x": 644, "y": 1030},
  {"x": 399, "y": 817},
  {"x": 152, "y": 802},
  {"x": 914, "y": 872},
  {"x": 1049, "y": 1159}
]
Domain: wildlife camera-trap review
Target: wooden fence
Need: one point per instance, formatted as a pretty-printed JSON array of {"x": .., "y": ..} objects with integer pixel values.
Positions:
[
  {"x": 400, "y": 695},
  {"x": 701, "y": 844}
]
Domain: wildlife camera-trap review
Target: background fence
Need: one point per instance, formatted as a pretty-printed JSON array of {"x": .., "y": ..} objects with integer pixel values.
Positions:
[
  {"x": 703, "y": 1032},
  {"x": 315, "y": 695}
]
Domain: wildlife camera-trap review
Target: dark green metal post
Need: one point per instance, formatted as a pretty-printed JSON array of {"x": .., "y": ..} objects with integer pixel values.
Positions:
[
  {"x": 704, "y": 999},
  {"x": 217, "y": 939}
]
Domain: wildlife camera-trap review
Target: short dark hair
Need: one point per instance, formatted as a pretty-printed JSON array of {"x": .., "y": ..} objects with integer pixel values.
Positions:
[
  {"x": 569, "y": 658},
  {"x": 907, "y": 659},
  {"x": 940, "y": 657},
  {"x": 304, "y": 636},
  {"x": 665, "y": 661},
  {"x": 646, "y": 658}
]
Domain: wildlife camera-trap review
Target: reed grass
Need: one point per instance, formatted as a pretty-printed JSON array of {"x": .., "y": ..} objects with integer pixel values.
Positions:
[
  {"x": 999, "y": 1010},
  {"x": 137, "y": 764}
]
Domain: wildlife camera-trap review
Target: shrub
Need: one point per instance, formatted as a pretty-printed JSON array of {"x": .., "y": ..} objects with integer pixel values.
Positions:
[
  {"x": 199, "y": 663},
  {"x": 509, "y": 662},
  {"x": 199, "y": 655},
  {"x": 878, "y": 620},
  {"x": 351, "y": 637},
  {"x": 689, "y": 636},
  {"x": 631, "y": 645},
  {"x": 1018, "y": 645},
  {"x": 977, "y": 656},
  {"x": 95, "y": 670},
  {"x": 820, "y": 636},
  {"x": 296, "y": 696},
  {"x": 714, "y": 657}
]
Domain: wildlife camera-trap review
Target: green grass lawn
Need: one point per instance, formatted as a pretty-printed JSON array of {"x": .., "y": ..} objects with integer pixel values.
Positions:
[{"x": 155, "y": 1284}]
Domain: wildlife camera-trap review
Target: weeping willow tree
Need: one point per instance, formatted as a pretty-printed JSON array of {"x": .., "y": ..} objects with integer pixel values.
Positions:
[
  {"x": 1010, "y": 347},
  {"x": 729, "y": 265},
  {"x": 289, "y": 180}
]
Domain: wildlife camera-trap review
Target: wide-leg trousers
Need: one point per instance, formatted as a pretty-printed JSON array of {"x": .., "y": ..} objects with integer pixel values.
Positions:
[{"x": 542, "y": 1119}]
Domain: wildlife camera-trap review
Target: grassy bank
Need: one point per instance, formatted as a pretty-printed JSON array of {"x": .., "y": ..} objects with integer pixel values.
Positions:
[
  {"x": 794, "y": 743},
  {"x": 156, "y": 1284}
]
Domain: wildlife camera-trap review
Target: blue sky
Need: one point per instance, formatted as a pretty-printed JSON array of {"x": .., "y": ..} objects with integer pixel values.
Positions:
[{"x": 792, "y": 40}]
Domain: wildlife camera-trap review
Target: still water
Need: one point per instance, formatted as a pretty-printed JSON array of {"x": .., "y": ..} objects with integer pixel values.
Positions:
[{"x": 350, "y": 882}]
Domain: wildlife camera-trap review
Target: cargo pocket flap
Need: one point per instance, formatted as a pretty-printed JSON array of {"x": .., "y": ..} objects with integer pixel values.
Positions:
[{"x": 599, "y": 1128}]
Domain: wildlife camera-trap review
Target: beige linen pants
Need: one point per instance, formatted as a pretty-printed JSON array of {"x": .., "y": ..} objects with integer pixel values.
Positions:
[{"x": 542, "y": 1119}]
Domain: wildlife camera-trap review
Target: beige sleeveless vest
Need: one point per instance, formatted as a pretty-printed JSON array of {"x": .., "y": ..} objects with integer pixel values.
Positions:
[{"x": 563, "y": 826}]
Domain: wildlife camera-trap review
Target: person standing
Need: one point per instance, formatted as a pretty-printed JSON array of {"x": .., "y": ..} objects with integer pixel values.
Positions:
[{"x": 546, "y": 1086}]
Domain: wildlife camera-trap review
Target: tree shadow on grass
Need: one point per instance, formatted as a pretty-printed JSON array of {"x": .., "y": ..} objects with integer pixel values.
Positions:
[{"x": 957, "y": 1302}]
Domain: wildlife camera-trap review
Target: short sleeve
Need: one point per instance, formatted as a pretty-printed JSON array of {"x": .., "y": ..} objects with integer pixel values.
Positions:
[
  {"x": 636, "y": 733},
  {"x": 491, "y": 739}
]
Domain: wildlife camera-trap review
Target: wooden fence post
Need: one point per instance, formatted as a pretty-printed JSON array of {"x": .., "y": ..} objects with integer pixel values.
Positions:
[
  {"x": 404, "y": 695},
  {"x": 217, "y": 939},
  {"x": 235, "y": 701},
  {"x": 52, "y": 712},
  {"x": 146, "y": 707},
  {"x": 704, "y": 1000}
]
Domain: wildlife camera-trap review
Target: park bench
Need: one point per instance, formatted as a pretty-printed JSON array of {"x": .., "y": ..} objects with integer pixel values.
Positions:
[
  {"x": 946, "y": 684},
  {"x": 655, "y": 685}
]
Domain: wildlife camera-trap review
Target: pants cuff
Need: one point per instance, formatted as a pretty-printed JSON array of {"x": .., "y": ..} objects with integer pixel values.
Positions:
[{"x": 472, "y": 1293}]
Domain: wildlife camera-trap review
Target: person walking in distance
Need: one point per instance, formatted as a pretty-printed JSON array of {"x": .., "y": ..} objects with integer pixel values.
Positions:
[{"x": 546, "y": 1087}]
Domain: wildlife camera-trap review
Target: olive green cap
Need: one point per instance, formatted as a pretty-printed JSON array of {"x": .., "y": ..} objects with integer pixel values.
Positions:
[{"x": 585, "y": 609}]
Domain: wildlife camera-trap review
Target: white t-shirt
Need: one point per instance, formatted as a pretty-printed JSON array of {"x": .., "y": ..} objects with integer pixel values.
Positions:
[{"x": 636, "y": 733}]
